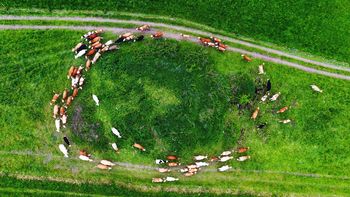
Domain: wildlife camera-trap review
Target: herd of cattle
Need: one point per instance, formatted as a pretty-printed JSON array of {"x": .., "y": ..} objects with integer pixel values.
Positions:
[{"x": 92, "y": 48}]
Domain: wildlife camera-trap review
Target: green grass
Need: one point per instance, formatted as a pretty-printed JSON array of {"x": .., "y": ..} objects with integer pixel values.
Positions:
[
  {"x": 173, "y": 97},
  {"x": 319, "y": 27}
]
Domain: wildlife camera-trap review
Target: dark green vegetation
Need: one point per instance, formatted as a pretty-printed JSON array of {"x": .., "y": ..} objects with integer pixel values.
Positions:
[
  {"x": 319, "y": 27},
  {"x": 157, "y": 91}
]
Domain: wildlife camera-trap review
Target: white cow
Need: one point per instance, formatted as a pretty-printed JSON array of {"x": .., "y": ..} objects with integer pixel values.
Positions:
[
  {"x": 84, "y": 158},
  {"x": 261, "y": 69},
  {"x": 75, "y": 81},
  {"x": 316, "y": 89},
  {"x": 224, "y": 168},
  {"x": 243, "y": 158},
  {"x": 81, "y": 82},
  {"x": 64, "y": 120},
  {"x": 97, "y": 55},
  {"x": 116, "y": 132},
  {"x": 63, "y": 149},
  {"x": 285, "y": 121},
  {"x": 226, "y": 153},
  {"x": 226, "y": 158},
  {"x": 263, "y": 99},
  {"x": 94, "y": 97},
  {"x": 200, "y": 157},
  {"x": 114, "y": 146},
  {"x": 58, "y": 124},
  {"x": 202, "y": 164},
  {"x": 107, "y": 163},
  {"x": 109, "y": 42},
  {"x": 170, "y": 179},
  {"x": 81, "y": 53},
  {"x": 275, "y": 96}
]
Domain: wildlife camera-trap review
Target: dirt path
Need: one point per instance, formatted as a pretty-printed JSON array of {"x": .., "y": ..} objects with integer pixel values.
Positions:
[
  {"x": 179, "y": 37},
  {"x": 179, "y": 28}
]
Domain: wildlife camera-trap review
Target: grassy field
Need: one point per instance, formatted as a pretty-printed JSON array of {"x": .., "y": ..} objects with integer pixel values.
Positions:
[
  {"x": 173, "y": 97},
  {"x": 319, "y": 27}
]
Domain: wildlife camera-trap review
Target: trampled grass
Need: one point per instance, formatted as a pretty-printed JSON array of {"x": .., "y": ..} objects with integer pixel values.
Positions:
[{"x": 172, "y": 97}]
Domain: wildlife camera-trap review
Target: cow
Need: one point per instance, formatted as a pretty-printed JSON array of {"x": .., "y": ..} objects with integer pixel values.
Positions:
[
  {"x": 243, "y": 158},
  {"x": 103, "y": 167},
  {"x": 80, "y": 70},
  {"x": 185, "y": 35},
  {"x": 202, "y": 164},
  {"x": 69, "y": 101},
  {"x": 226, "y": 158},
  {"x": 107, "y": 163},
  {"x": 82, "y": 47},
  {"x": 255, "y": 113},
  {"x": 64, "y": 120},
  {"x": 97, "y": 45},
  {"x": 263, "y": 98},
  {"x": 215, "y": 39},
  {"x": 246, "y": 58},
  {"x": 115, "y": 147},
  {"x": 85, "y": 158},
  {"x": 222, "y": 49},
  {"x": 64, "y": 95},
  {"x": 157, "y": 180},
  {"x": 54, "y": 98},
  {"x": 224, "y": 168},
  {"x": 139, "y": 146},
  {"x": 119, "y": 40},
  {"x": 81, "y": 82},
  {"x": 91, "y": 36},
  {"x": 226, "y": 153},
  {"x": 144, "y": 28},
  {"x": 183, "y": 170},
  {"x": 84, "y": 153},
  {"x": 66, "y": 140},
  {"x": 170, "y": 179},
  {"x": 242, "y": 149},
  {"x": 55, "y": 111},
  {"x": 161, "y": 161},
  {"x": 171, "y": 157},
  {"x": 285, "y": 121},
  {"x": 75, "y": 82},
  {"x": 282, "y": 110},
  {"x": 90, "y": 52},
  {"x": 213, "y": 159},
  {"x": 77, "y": 47},
  {"x": 116, "y": 132},
  {"x": 94, "y": 97},
  {"x": 104, "y": 49},
  {"x": 275, "y": 96},
  {"x": 162, "y": 170},
  {"x": 97, "y": 55},
  {"x": 316, "y": 88},
  {"x": 222, "y": 45},
  {"x": 200, "y": 157},
  {"x": 62, "y": 111},
  {"x": 58, "y": 124},
  {"x": 63, "y": 149},
  {"x": 81, "y": 53},
  {"x": 109, "y": 42},
  {"x": 189, "y": 174},
  {"x": 97, "y": 39},
  {"x": 157, "y": 35},
  {"x": 75, "y": 72},
  {"x": 268, "y": 85},
  {"x": 112, "y": 47},
  {"x": 70, "y": 72},
  {"x": 193, "y": 170},
  {"x": 173, "y": 164},
  {"x": 88, "y": 65},
  {"x": 75, "y": 92},
  {"x": 261, "y": 69},
  {"x": 191, "y": 166},
  {"x": 204, "y": 41}
]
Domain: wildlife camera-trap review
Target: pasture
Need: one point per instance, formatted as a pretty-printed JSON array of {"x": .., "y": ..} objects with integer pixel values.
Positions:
[{"x": 174, "y": 98}]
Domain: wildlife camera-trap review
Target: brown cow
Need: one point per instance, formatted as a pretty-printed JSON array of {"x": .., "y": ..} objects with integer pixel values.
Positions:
[
  {"x": 96, "y": 45},
  {"x": 162, "y": 170},
  {"x": 80, "y": 69},
  {"x": 189, "y": 174},
  {"x": 171, "y": 157},
  {"x": 215, "y": 39},
  {"x": 69, "y": 101},
  {"x": 97, "y": 39},
  {"x": 70, "y": 72},
  {"x": 75, "y": 92},
  {"x": 282, "y": 109},
  {"x": 246, "y": 58},
  {"x": 157, "y": 35},
  {"x": 242, "y": 149},
  {"x": 221, "y": 49},
  {"x": 64, "y": 95},
  {"x": 87, "y": 64},
  {"x": 139, "y": 146},
  {"x": 157, "y": 180},
  {"x": 204, "y": 41},
  {"x": 90, "y": 52},
  {"x": 103, "y": 167},
  {"x": 255, "y": 113},
  {"x": 144, "y": 28},
  {"x": 62, "y": 111},
  {"x": 173, "y": 164},
  {"x": 75, "y": 71},
  {"x": 54, "y": 98},
  {"x": 212, "y": 159}
]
